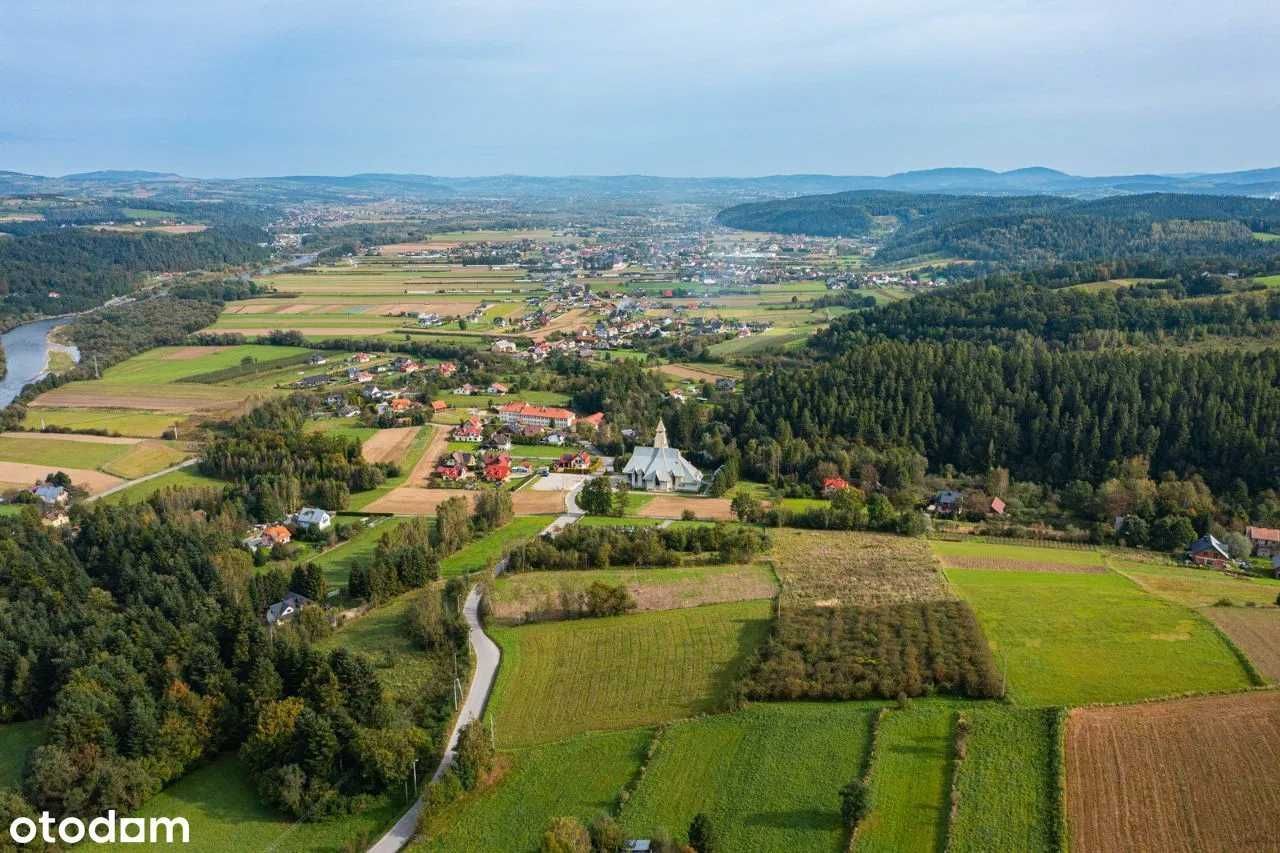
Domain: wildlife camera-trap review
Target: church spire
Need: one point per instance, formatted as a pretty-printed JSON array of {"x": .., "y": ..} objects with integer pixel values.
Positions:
[{"x": 660, "y": 435}]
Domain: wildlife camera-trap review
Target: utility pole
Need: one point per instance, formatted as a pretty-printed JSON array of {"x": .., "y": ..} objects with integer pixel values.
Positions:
[
  {"x": 415, "y": 776},
  {"x": 95, "y": 367},
  {"x": 493, "y": 740}
]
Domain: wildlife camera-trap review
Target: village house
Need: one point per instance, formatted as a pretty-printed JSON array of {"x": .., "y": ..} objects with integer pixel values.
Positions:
[
  {"x": 405, "y": 365},
  {"x": 831, "y": 485},
  {"x": 472, "y": 431},
  {"x": 317, "y": 358},
  {"x": 662, "y": 467},
  {"x": 317, "y": 381},
  {"x": 497, "y": 388},
  {"x": 439, "y": 405},
  {"x": 287, "y": 608},
  {"x": 312, "y": 518},
  {"x": 526, "y": 414},
  {"x": 466, "y": 390},
  {"x": 49, "y": 494},
  {"x": 594, "y": 421},
  {"x": 402, "y": 404},
  {"x": 579, "y": 462},
  {"x": 497, "y": 468},
  {"x": 504, "y": 346},
  {"x": 946, "y": 502},
  {"x": 355, "y": 375},
  {"x": 1209, "y": 551},
  {"x": 1266, "y": 540}
]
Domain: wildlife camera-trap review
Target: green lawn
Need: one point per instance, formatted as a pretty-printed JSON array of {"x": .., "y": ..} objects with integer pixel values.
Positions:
[
  {"x": 159, "y": 366},
  {"x": 1079, "y": 638},
  {"x": 1196, "y": 587},
  {"x": 123, "y": 421},
  {"x": 616, "y": 521},
  {"x": 564, "y": 678},
  {"x": 910, "y": 780},
  {"x": 226, "y": 816},
  {"x": 482, "y": 553},
  {"x": 57, "y": 453},
  {"x": 184, "y": 478},
  {"x": 348, "y": 427},
  {"x": 338, "y": 562},
  {"x": 768, "y": 776},
  {"x": 16, "y": 742},
  {"x": 1007, "y": 781},
  {"x": 579, "y": 777},
  {"x": 518, "y": 451}
]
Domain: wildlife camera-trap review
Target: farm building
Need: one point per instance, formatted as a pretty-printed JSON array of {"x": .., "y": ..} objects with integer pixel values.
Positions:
[
  {"x": 471, "y": 431},
  {"x": 831, "y": 485},
  {"x": 662, "y": 468},
  {"x": 1209, "y": 551},
  {"x": 1266, "y": 540}
]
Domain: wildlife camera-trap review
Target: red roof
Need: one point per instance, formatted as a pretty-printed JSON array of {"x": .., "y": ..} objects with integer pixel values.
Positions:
[
  {"x": 593, "y": 420},
  {"x": 439, "y": 405},
  {"x": 530, "y": 410},
  {"x": 997, "y": 506},
  {"x": 1262, "y": 534},
  {"x": 834, "y": 484}
]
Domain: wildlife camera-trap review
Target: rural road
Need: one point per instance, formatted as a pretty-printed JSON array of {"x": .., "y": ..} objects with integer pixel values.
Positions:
[
  {"x": 487, "y": 656},
  {"x": 127, "y": 483}
]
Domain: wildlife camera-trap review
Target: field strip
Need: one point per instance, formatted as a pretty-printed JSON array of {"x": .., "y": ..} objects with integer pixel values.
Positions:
[
  {"x": 91, "y": 481},
  {"x": 72, "y": 436},
  {"x": 421, "y": 472},
  {"x": 1002, "y": 564},
  {"x": 388, "y": 445}
]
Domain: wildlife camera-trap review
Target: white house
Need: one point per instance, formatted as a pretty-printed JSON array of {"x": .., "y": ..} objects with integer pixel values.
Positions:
[
  {"x": 311, "y": 518},
  {"x": 662, "y": 468}
]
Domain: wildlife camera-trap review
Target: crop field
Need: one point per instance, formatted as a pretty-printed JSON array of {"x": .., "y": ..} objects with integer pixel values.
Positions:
[
  {"x": 830, "y": 568},
  {"x": 1070, "y": 639},
  {"x": 123, "y": 421},
  {"x": 16, "y": 742},
  {"x": 121, "y": 458},
  {"x": 538, "y": 595},
  {"x": 768, "y": 776},
  {"x": 700, "y": 372},
  {"x": 1197, "y": 587},
  {"x": 910, "y": 778},
  {"x": 779, "y": 337},
  {"x": 388, "y": 445},
  {"x": 483, "y": 553},
  {"x": 175, "y": 399},
  {"x": 1256, "y": 632},
  {"x": 1185, "y": 775},
  {"x": 1006, "y": 781},
  {"x": 414, "y": 464},
  {"x": 988, "y": 556},
  {"x": 579, "y": 777},
  {"x": 164, "y": 365},
  {"x": 673, "y": 506},
  {"x": 226, "y": 815},
  {"x": 564, "y": 678}
]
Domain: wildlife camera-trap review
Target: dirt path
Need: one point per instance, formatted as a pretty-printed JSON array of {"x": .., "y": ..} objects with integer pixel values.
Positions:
[
  {"x": 388, "y": 445},
  {"x": 421, "y": 472}
]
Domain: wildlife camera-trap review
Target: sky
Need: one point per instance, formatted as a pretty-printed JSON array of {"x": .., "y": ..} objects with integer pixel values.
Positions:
[{"x": 230, "y": 88}]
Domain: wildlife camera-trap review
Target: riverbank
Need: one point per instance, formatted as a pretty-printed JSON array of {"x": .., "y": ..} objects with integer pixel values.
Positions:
[{"x": 29, "y": 353}]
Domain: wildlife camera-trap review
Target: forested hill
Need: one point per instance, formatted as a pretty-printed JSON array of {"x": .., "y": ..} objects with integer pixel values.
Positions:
[
  {"x": 73, "y": 269},
  {"x": 1027, "y": 231}
]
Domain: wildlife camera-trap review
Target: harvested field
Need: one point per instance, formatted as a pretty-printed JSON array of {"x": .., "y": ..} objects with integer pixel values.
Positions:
[
  {"x": 673, "y": 506},
  {"x": 1002, "y": 564},
  {"x": 1198, "y": 587},
  {"x": 410, "y": 500},
  {"x": 388, "y": 445},
  {"x": 565, "y": 322},
  {"x": 866, "y": 569},
  {"x": 411, "y": 248},
  {"x": 91, "y": 481},
  {"x": 70, "y": 436},
  {"x": 1256, "y": 630},
  {"x": 1002, "y": 557},
  {"x": 188, "y": 353},
  {"x": 698, "y": 374},
  {"x": 530, "y": 502},
  {"x": 175, "y": 398},
  {"x": 535, "y": 596},
  {"x": 1185, "y": 775},
  {"x": 145, "y": 458}
]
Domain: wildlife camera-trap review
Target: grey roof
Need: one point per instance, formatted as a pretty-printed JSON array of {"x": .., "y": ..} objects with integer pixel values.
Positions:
[
  {"x": 1209, "y": 542},
  {"x": 662, "y": 464}
]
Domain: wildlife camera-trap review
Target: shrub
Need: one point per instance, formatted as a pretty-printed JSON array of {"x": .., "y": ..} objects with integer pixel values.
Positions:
[
  {"x": 855, "y": 802},
  {"x": 702, "y": 834},
  {"x": 566, "y": 835}
]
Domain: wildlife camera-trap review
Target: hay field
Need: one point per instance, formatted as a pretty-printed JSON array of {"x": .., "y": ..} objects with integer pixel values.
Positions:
[
  {"x": 1186, "y": 775},
  {"x": 559, "y": 679},
  {"x": 863, "y": 569},
  {"x": 673, "y": 506},
  {"x": 995, "y": 557},
  {"x": 388, "y": 445},
  {"x": 1256, "y": 631}
]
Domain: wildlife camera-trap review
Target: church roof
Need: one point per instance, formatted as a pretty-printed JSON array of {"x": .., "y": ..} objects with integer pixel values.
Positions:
[{"x": 661, "y": 463}]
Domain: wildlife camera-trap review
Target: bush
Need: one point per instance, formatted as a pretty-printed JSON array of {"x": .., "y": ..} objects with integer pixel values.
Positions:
[
  {"x": 566, "y": 835},
  {"x": 607, "y": 835},
  {"x": 702, "y": 834},
  {"x": 475, "y": 754},
  {"x": 855, "y": 802}
]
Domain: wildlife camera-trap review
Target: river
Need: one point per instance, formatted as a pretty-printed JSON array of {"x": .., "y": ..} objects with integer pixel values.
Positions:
[{"x": 26, "y": 350}]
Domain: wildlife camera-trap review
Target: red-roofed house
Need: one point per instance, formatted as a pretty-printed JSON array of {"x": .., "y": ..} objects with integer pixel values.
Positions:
[
  {"x": 497, "y": 388},
  {"x": 1266, "y": 540},
  {"x": 439, "y": 405},
  {"x": 402, "y": 404},
  {"x": 446, "y": 368},
  {"x": 527, "y": 414},
  {"x": 277, "y": 534},
  {"x": 451, "y": 471},
  {"x": 497, "y": 468},
  {"x": 831, "y": 485},
  {"x": 580, "y": 461},
  {"x": 997, "y": 506},
  {"x": 593, "y": 421},
  {"x": 472, "y": 430}
]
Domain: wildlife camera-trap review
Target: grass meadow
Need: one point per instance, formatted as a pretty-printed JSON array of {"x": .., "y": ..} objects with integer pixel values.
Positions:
[
  {"x": 559, "y": 679},
  {"x": 1007, "y": 781},
  {"x": 579, "y": 777},
  {"x": 482, "y": 553},
  {"x": 1068, "y": 639},
  {"x": 767, "y": 776},
  {"x": 338, "y": 562},
  {"x": 165, "y": 365},
  {"x": 910, "y": 780},
  {"x": 185, "y": 478},
  {"x": 123, "y": 421}
]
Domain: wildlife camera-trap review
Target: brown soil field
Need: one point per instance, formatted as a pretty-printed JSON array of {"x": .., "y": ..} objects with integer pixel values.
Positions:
[
  {"x": 409, "y": 500},
  {"x": 671, "y": 506},
  {"x": 388, "y": 445},
  {"x": 998, "y": 564},
  {"x": 696, "y": 374},
  {"x": 565, "y": 322},
  {"x": 831, "y": 568},
  {"x": 537, "y": 595},
  {"x": 422, "y": 471},
  {"x": 71, "y": 436},
  {"x": 1184, "y": 775},
  {"x": 168, "y": 398},
  {"x": 444, "y": 309},
  {"x": 91, "y": 481},
  {"x": 1256, "y": 630},
  {"x": 530, "y": 502},
  {"x": 188, "y": 353},
  {"x": 159, "y": 229},
  {"x": 408, "y": 248}
]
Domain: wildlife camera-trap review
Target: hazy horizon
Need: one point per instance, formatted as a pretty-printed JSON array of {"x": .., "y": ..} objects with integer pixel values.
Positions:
[{"x": 671, "y": 89}]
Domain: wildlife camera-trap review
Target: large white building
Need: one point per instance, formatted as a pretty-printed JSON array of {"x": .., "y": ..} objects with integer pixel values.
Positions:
[{"x": 662, "y": 468}]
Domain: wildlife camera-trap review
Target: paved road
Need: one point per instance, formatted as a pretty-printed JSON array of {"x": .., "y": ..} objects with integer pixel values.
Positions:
[
  {"x": 127, "y": 483},
  {"x": 572, "y": 512},
  {"x": 487, "y": 656}
]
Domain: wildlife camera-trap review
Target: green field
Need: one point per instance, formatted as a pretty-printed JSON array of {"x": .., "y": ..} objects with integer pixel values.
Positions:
[
  {"x": 1078, "y": 638},
  {"x": 16, "y": 742},
  {"x": 978, "y": 549},
  {"x": 1006, "y": 781},
  {"x": 1197, "y": 587},
  {"x": 616, "y": 521},
  {"x": 226, "y": 816},
  {"x": 160, "y": 367},
  {"x": 518, "y": 451},
  {"x": 337, "y": 562},
  {"x": 579, "y": 777},
  {"x": 123, "y": 421},
  {"x": 910, "y": 780},
  {"x": 564, "y": 678},
  {"x": 185, "y": 478},
  {"x": 57, "y": 453},
  {"x": 346, "y": 427},
  {"x": 481, "y": 554},
  {"x": 768, "y": 776}
]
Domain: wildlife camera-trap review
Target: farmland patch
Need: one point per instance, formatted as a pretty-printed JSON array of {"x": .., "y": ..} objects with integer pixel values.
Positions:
[{"x": 833, "y": 568}]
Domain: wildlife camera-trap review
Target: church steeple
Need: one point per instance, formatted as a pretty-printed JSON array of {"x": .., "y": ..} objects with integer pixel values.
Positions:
[{"x": 660, "y": 435}]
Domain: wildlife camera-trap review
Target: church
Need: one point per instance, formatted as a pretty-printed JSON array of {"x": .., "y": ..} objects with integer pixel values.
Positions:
[{"x": 661, "y": 468}]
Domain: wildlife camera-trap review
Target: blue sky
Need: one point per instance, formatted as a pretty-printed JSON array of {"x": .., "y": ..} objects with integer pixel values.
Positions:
[{"x": 676, "y": 88}]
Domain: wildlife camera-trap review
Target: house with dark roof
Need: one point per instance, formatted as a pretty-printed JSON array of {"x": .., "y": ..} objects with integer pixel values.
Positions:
[
  {"x": 287, "y": 608},
  {"x": 661, "y": 467},
  {"x": 1208, "y": 550}
]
